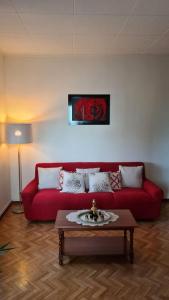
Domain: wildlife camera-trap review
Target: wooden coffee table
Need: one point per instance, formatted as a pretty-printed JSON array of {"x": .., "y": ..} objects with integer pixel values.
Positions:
[{"x": 102, "y": 245}]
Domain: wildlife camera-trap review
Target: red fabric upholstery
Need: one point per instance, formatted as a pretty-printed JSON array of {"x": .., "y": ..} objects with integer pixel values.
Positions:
[
  {"x": 141, "y": 203},
  {"x": 43, "y": 205},
  {"x": 27, "y": 197},
  {"x": 152, "y": 189},
  {"x": 49, "y": 202}
]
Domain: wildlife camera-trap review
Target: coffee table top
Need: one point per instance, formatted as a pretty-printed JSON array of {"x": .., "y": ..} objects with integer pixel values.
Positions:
[{"x": 125, "y": 221}]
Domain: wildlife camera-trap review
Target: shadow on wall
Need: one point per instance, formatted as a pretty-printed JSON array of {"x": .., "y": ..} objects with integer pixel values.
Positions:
[{"x": 156, "y": 173}]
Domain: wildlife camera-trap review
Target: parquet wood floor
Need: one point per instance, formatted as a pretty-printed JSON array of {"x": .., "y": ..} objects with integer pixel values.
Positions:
[{"x": 31, "y": 270}]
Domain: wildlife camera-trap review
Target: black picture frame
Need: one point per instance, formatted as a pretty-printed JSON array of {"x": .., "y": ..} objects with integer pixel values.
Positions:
[{"x": 89, "y": 109}]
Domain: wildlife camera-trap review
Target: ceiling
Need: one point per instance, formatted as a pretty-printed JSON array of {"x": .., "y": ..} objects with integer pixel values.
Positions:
[{"x": 44, "y": 27}]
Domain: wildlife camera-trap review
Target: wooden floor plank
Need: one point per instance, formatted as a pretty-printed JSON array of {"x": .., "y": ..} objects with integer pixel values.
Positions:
[{"x": 31, "y": 270}]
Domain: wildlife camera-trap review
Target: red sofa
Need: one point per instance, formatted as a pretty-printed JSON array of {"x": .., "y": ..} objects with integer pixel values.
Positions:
[{"x": 42, "y": 205}]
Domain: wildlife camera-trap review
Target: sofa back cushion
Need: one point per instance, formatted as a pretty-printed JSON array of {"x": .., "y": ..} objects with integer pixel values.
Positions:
[{"x": 71, "y": 166}]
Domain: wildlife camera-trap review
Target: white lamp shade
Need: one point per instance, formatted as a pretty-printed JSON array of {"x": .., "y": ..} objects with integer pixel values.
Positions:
[{"x": 19, "y": 133}]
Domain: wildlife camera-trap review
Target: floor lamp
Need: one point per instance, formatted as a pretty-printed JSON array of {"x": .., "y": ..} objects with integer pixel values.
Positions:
[{"x": 19, "y": 134}]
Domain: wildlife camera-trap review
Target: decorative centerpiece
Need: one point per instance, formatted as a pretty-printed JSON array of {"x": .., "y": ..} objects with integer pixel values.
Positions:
[
  {"x": 92, "y": 217},
  {"x": 94, "y": 214}
]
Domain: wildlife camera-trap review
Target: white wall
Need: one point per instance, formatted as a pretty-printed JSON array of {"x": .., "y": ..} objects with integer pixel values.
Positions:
[
  {"x": 4, "y": 158},
  {"x": 37, "y": 90}
]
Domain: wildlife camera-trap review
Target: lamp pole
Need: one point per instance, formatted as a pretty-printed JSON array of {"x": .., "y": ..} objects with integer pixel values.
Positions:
[
  {"x": 19, "y": 209},
  {"x": 19, "y": 133},
  {"x": 19, "y": 170}
]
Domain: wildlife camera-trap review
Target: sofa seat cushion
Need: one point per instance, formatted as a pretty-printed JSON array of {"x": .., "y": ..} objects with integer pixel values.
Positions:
[
  {"x": 141, "y": 204},
  {"x": 47, "y": 202}
]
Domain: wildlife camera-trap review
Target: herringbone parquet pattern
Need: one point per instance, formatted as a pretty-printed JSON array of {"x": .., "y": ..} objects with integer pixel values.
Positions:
[{"x": 31, "y": 270}]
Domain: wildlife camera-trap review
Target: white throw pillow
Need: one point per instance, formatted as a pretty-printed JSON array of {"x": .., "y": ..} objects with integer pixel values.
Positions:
[
  {"x": 73, "y": 183},
  {"x": 131, "y": 176},
  {"x": 49, "y": 178},
  {"x": 99, "y": 182},
  {"x": 86, "y": 173}
]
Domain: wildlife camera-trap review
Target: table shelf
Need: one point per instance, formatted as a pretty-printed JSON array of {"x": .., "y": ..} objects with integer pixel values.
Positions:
[{"x": 94, "y": 246}]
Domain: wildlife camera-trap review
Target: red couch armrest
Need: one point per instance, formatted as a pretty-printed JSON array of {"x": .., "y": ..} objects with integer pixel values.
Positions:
[
  {"x": 152, "y": 189},
  {"x": 27, "y": 196}
]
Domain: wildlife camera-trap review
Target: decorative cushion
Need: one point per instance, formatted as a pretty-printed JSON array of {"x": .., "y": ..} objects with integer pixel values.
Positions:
[
  {"x": 61, "y": 174},
  {"x": 99, "y": 182},
  {"x": 49, "y": 178},
  {"x": 131, "y": 176},
  {"x": 86, "y": 173},
  {"x": 115, "y": 180},
  {"x": 73, "y": 183}
]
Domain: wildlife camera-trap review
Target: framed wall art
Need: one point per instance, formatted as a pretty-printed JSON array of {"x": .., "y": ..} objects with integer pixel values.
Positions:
[{"x": 89, "y": 109}]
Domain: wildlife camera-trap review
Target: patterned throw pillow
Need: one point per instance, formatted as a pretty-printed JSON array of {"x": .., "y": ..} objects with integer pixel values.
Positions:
[
  {"x": 86, "y": 173},
  {"x": 73, "y": 183},
  {"x": 99, "y": 182},
  {"x": 115, "y": 180},
  {"x": 61, "y": 177},
  {"x": 61, "y": 174}
]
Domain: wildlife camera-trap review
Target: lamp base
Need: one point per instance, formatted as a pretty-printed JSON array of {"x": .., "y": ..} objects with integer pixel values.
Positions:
[{"x": 18, "y": 209}]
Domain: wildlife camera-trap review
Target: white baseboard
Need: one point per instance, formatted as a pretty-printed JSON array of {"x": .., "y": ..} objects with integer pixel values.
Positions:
[{"x": 4, "y": 208}]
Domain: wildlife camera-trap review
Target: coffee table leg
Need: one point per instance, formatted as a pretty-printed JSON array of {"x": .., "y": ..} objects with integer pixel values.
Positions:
[
  {"x": 131, "y": 251},
  {"x": 125, "y": 242},
  {"x": 61, "y": 242}
]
